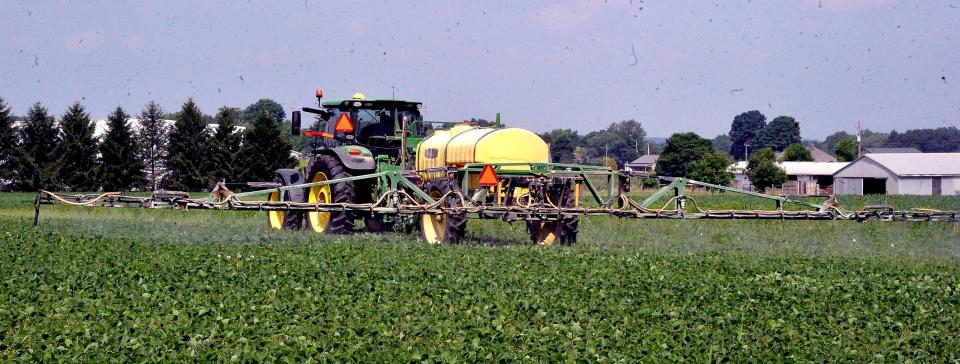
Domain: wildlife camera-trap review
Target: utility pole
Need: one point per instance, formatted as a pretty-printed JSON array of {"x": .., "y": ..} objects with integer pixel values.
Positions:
[
  {"x": 859, "y": 140},
  {"x": 746, "y": 148}
]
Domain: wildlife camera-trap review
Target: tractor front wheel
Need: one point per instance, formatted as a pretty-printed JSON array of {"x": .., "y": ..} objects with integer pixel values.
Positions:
[
  {"x": 287, "y": 220},
  {"x": 448, "y": 227},
  {"x": 562, "y": 231},
  {"x": 324, "y": 168}
]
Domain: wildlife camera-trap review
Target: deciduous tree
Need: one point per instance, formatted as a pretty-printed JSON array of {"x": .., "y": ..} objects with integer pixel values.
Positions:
[
  {"x": 120, "y": 166},
  {"x": 846, "y": 150},
  {"x": 797, "y": 152},
  {"x": 562, "y": 144},
  {"x": 681, "y": 151},
  {"x": 722, "y": 143},
  {"x": 271, "y": 107},
  {"x": 620, "y": 140},
  {"x": 713, "y": 168},
  {"x": 779, "y": 133},
  {"x": 744, "y": 130},
  {"x": 763, "y": 171}
]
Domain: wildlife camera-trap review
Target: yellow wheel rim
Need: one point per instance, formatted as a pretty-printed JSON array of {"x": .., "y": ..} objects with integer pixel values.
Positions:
[
  {"x": 434, "y": 227},
  {"x": 319, "y": 220},
  {"x": 275, "y": 217},
  {"x": 547, "y": 234}
]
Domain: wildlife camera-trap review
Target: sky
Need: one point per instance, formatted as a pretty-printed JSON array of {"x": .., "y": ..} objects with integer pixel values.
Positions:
[{"x": 674, "y": 66}]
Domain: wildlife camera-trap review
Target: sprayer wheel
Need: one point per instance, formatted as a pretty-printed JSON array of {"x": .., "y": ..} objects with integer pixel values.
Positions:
[{"x": 447, "y": 228}]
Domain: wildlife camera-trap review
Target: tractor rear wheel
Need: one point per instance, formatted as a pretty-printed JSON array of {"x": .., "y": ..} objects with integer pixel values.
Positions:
[
  {"x": 324, "y": 168},
  {"x": 449, "y": 227},
  {"x": 563, "y": 231}
]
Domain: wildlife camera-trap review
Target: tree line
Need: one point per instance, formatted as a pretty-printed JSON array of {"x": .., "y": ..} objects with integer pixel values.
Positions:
[{"x": 41, "y": 152}]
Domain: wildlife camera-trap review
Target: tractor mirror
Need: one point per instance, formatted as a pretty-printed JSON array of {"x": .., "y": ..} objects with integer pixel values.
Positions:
[{"x": 295, "y": 123}]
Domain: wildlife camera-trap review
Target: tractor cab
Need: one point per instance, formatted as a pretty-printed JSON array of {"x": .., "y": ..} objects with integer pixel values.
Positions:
[{"x": 374, "y": 124}]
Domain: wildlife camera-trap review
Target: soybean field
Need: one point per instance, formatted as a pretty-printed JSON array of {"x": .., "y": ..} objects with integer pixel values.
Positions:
[{"x": 121, "y": 285}]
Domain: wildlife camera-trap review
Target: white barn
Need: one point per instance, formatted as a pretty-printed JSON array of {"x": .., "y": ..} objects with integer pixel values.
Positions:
[
  {"x": 803, "y": 178},
  {"x": 900, "y": 174}
]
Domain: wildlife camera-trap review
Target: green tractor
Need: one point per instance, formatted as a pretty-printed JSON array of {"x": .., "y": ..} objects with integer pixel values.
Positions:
[{"x": 352, "y": 137}]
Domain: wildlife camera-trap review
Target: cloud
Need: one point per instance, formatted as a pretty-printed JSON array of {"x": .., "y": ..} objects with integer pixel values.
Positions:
[{"x": 843, "y": 5}]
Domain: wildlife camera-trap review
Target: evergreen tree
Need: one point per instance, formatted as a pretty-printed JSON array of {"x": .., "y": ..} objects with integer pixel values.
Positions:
[
  {"x": 188, "y": 156},
  {"x": 226, "y": 145},
  {"x": 264, "y": 149},
  {"x": 120, "y": 167},
  {"x": 153, "y": 138},
  {"x": 763, "y": 171},
  {"x": 681, "y": 151},
  {"x": 797, "y": 152},
  {"x": 9, "y": 144},
  {"x": 744, "y": 130},
  {"x": 38, "y": 160},
  {"x": 77, "y": 150},
  {"x": 713, "y": 168}
]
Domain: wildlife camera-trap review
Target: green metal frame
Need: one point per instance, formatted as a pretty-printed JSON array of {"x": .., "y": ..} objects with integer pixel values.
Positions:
[
  {"x": 676, "y": 188},
  {"x": 551, "y": 170}
]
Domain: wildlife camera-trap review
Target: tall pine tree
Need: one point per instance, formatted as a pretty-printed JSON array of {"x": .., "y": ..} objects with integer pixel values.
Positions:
[
  {"x": 264, "y": 149},
  {"x": 188, "y": 157},
  {"x": 120, "y": 167},
  {"x": 9, "y": 144},
  {"x": 77, "y": 150},
  {"x": 38, "y": 161},
  {"x": 153, "y": 138},
  {"x": 226, "y": 145}
]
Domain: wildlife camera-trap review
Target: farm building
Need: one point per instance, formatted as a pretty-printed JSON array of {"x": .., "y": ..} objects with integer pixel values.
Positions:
[
  {"x": 819, "y": 155},
  {"x": 803, "y": 178},
  {"x": 646, "y": 163},
  {"x": 901, "y": 174},
  {"x": 876, "y": 150}
]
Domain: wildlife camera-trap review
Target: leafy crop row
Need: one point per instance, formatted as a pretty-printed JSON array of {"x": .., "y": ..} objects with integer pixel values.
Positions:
[{"x": 128, "y": 285}]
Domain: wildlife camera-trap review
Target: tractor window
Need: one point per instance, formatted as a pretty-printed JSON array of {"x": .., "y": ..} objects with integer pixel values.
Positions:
[{"x": 374, "y": 123}]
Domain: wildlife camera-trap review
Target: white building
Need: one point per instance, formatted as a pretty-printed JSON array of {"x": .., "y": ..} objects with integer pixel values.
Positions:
[
  {"x": 100, "y": 126},
  {"x": 803, "y": 178},
  {"x": 901, "y": 174}
]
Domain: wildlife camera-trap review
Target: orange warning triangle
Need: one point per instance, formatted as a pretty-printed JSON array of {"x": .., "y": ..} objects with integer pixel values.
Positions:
[
  {"x": 343, "y": 124},
  {"x": 488, "y": 177}
]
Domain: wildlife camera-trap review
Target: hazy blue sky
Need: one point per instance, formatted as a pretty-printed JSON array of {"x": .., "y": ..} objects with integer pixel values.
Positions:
[{"x": 672, "y": 65}]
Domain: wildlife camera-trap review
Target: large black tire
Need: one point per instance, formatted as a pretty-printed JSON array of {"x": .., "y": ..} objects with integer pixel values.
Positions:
[
  {"x": 376, "y": 223},
  {"x": 448, "y": 228},
  {"x": 563, "y": 231},
  {"x": 287, "y": 220},
  {"x": 327, "y": 167}
]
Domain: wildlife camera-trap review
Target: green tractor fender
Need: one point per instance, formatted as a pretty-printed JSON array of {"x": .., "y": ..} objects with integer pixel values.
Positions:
[{"x": 356, "y": 159}]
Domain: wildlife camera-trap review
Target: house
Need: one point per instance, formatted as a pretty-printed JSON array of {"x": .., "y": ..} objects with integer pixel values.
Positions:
[
  {"x": 876, "y": 150},
  {"x": 900, "y": 174},
  {"x": 819, "y": 155},
  {"x": 646, "y": 163},
  {"x": 803, "y": 178}
]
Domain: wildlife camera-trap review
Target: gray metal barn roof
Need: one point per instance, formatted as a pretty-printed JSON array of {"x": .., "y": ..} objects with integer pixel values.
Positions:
[{"x": 915, "y": 164}]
